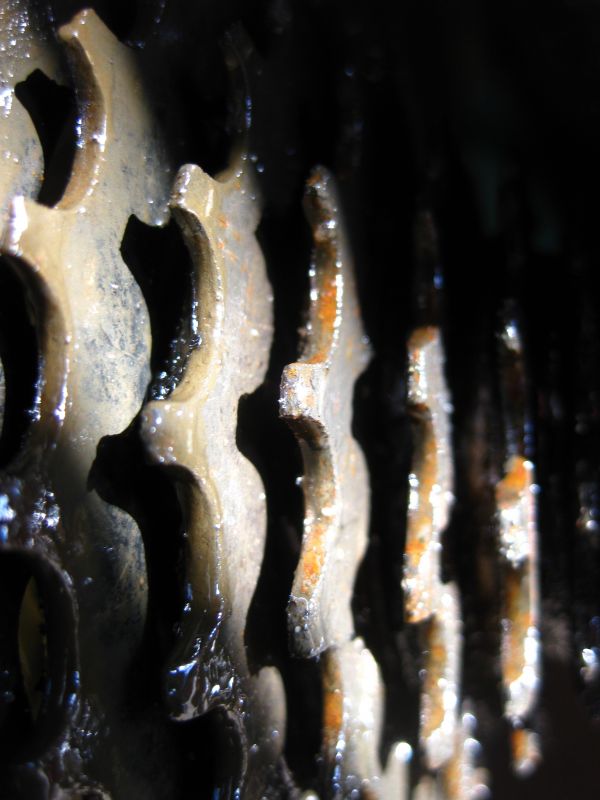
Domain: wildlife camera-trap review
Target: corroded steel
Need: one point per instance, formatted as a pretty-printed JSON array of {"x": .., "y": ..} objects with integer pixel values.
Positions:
[
  {"x": 428, "y": 600},
  {"x": 94, "y": 342},
  {"x": 193, "y": 434},
  {"x": 352, "y": 720},
  {"x": 316, "y": 400},
  {"x": 445, "y": 733},
  {"x": 515, "y": 500}
]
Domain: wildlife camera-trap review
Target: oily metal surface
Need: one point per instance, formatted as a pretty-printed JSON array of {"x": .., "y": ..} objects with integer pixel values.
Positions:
[
  {"x": 193, "y": 434},
  {"x": 93, "y": 334},
  {"x": 316, "y": 401}
]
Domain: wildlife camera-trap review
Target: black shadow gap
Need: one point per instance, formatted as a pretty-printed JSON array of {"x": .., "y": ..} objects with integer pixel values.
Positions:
[
  {"x": 160, "y": 263},
  {"x": 53, "y": 111},
  {"x": 20, "y": 362}
]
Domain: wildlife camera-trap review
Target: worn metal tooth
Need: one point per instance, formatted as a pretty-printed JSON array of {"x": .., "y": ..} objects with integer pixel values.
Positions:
[
  {"x": 352, "y": 719},
  {"x": 71, "y": 252},
  {"x": 446, "y": 737},
  {"x": 428, "y": 600},
  {"x": 94, "y": 337},
  {"x": 193, "y": 433},
  {"x": 515, "y": 500},
  {"x": 316, "y": 400}
]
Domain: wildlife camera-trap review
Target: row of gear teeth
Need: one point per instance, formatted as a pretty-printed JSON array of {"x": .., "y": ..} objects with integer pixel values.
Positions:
[{"x": 95, "y": 343}]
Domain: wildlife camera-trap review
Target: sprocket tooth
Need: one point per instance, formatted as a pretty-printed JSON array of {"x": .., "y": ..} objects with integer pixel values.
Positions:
[
  {"x": 94, "y": 342},
  {"x": 449, "y": 749},
  {"x": 352, "y": 721},
  {"x": 34, "y": 235},
  {"x": 118, "y": 140},
  {"x": 450, "y": 753},
  {"x": 517, "y": 543},
  {"x": 316, "y": 401},
  {"x": 26, "y": 45},
  {"x": 221, "y": 492},
  {"x": 74, "y": 248},
  {"x": 428, "y": 599},
  {"x": 26, "y": 243}
]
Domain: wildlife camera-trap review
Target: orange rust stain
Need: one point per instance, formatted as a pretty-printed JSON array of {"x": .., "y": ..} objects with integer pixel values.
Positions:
[
  {"x": 451, "y": 778},
  {"x": 326, "y": 313},
  {"x": 419, "y": 339},
  {"x": 313, "y": 557},
  {"x": 516, "y": 481},
  {"x": 318, "y": 357},
  {"x": 222, "y": 220},
  {"x": 520, "y": 745},
  {"x": 420, "y": 519},
  {"x": 327, "y": 306},
  {"x": 333, "y": 701},
  {"x": 433, "y": 714},
  {"x": 292, "y": 372},
  {"x": 416, "y": 543},
  {"x": 518, "y": 612}
]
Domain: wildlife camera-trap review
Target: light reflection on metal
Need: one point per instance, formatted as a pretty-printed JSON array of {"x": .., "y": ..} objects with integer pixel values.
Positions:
[{"x": 316, "y": 400}]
